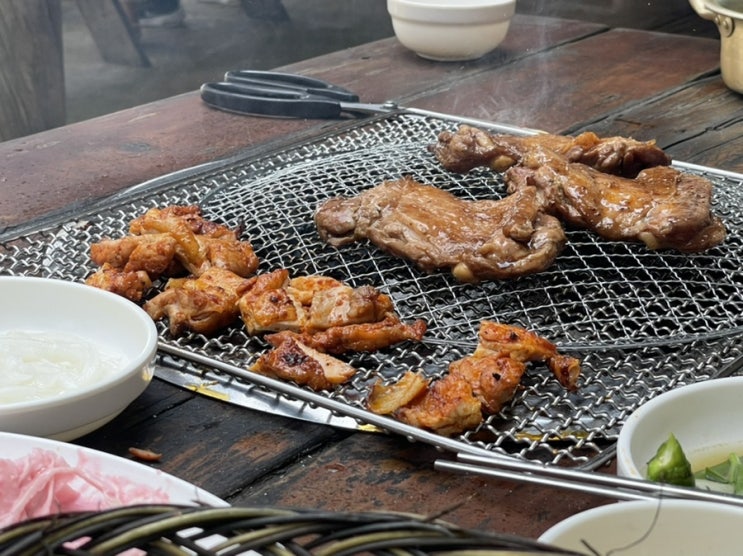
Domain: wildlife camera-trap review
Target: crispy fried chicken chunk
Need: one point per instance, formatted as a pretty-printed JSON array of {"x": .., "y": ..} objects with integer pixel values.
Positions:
[
  {"x": 470, "y": 147},
  {"x": 476, "y": 240}
]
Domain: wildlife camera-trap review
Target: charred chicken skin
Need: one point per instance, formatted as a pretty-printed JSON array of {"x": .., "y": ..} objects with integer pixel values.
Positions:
[
  {"x": 292, "y": 360},
  {"x": 476, "y": 240},
  {"x": 662, "y": 207},
  {"x": 476, "y": 385},
  {"x": 470, "y": 147}
]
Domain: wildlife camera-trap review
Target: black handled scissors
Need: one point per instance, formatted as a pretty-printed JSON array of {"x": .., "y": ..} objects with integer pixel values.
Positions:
[{"x": 286, "y": 95}]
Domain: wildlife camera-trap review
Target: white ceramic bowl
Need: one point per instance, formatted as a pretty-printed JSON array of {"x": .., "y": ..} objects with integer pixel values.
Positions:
[
  {"x": 116, "y": 325},
  {"x": 451, "y": 30},
  {"x": 148, "y": 484},
  {"x": 704, "y": 417},
  {"x": 667, "y": 527}
]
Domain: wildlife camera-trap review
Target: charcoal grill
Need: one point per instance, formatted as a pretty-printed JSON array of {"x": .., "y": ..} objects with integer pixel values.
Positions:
[{"x": 642, "y": 322}]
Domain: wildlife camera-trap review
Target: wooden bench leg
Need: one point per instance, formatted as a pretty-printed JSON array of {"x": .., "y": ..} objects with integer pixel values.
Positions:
[{"x": 31, "y": 67}]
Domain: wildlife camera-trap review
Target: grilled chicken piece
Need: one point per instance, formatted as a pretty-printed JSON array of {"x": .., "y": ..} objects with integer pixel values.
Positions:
[
  {"x": 471, "y": 147},
  {"x": 481, "y": 383},
  {"x": 662, "y": 207},
  {"x": 153, "y": 254},
  {"x": 267, "y": 306},
  {"x": 292, "y": 360},
  {"x": 129, "y": 284},
  {"x": 526, "y": 346},
  {"x": 229, "y": 253},
  {"x": 364, "y": 337},
  {"x": 204, "y": 304},
  {"x": 169, "y": 242},
  {"x": 477, "y": 240},
  {"x": 448, "y": 407},
  {"x": 313, "y": 304},
  {"x": 199, "y": 243},
  {"x": 190, "y": 215}
]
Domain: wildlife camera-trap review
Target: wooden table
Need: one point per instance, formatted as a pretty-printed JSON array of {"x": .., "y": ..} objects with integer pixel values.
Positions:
[{"x": 557, "y": 75}]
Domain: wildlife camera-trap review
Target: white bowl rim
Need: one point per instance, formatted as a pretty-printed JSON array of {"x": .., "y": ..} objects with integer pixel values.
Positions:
[
  {"x": 633, "y": 421},
  {"x": 612, "y": 508},
  {"x": 133, "y": 365},
  {"x": 467, "y": 13}
]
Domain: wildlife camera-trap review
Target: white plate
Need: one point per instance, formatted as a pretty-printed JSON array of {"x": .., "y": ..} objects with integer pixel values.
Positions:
[{"x": 178, "y": 491}]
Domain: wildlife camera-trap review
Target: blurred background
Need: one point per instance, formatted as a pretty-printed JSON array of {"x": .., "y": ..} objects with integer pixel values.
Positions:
[{"x": 108, "y": 65}]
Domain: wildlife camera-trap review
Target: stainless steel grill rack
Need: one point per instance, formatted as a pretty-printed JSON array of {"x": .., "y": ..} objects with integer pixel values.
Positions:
[{"x": 642, "y": 322}]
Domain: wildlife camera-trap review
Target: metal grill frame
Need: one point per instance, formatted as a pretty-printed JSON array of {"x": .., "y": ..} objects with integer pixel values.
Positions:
[{"x": 642, "y": 322}]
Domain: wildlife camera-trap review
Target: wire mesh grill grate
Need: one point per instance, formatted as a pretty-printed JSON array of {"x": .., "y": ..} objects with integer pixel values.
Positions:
[{"x": 643, "y": 322}]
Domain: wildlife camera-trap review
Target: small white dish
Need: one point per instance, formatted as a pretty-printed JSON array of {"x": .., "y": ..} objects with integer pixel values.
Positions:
[
  {"x": 451, "y": 30},
  {"x": 658, "y": 528},
  {"x": 704, "y": 417},
  {"x": 93, "y": 463},
  {"x": 39, "y": 307}
]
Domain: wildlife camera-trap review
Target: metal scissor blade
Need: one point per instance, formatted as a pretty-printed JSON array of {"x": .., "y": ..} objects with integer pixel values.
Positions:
[
  {"x": 264, "y": 101},
  {"x": 291, "y": 81},
  {"x": 243, "y": 98}
]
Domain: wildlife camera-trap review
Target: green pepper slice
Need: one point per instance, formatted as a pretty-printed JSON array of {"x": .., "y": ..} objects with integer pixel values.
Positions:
[{"x": 669, "y": 465}]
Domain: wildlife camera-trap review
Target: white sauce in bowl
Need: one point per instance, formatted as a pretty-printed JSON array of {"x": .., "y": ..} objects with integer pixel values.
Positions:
[{"x": 43, "y": 365}]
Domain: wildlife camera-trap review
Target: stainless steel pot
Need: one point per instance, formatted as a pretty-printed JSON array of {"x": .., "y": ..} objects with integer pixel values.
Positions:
[{"x": 728, "y": 16}]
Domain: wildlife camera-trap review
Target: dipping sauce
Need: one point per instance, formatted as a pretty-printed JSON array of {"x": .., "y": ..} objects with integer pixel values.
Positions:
[{"x": 43, "y": 365}]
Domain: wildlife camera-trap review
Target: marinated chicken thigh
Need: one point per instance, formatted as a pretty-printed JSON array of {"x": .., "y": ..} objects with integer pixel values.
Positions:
[
  {"x": 470, "y": 147},
  {"x": 292, "y": 360},
  {"x": 662, "y": 207},
  {"x": 476, "y": 240}
]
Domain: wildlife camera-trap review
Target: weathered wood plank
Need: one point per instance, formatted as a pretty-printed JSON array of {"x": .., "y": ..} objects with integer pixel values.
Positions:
[
  {"x": 582, "y": 82},
  {"x": 112, "y": 32},
  {"x": 400, "y": 477},
  {"x": 31, "y": 67}
]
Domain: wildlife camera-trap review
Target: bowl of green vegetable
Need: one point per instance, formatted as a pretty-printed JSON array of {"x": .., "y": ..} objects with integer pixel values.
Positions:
[{"x": 690, "y": 436}]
